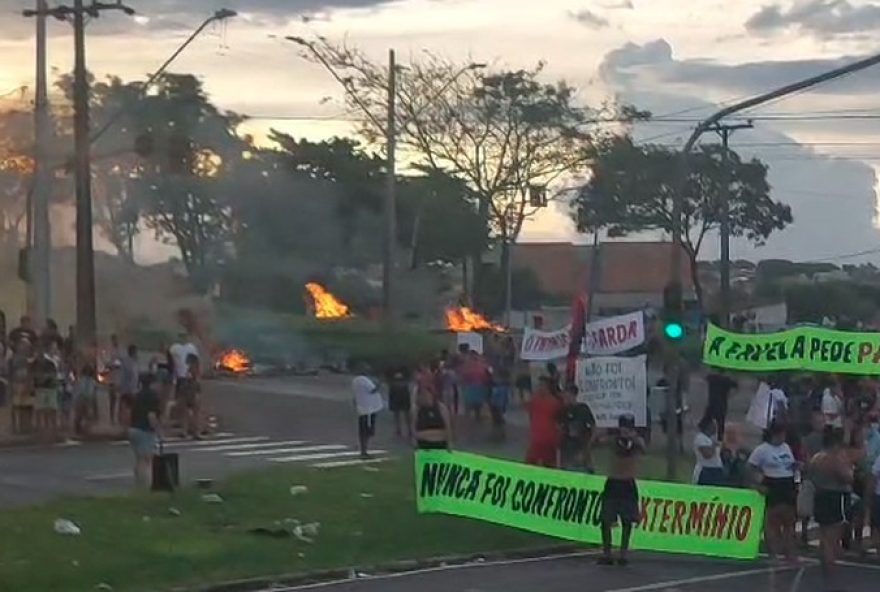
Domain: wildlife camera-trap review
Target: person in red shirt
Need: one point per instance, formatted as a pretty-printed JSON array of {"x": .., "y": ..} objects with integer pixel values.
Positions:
[{"x": 543, "y": 409}]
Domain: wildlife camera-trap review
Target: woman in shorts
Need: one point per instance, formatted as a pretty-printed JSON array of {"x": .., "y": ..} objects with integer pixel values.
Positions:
[
  {"x": 774, "y": 465},
  {"x": 831, "y": 472}
]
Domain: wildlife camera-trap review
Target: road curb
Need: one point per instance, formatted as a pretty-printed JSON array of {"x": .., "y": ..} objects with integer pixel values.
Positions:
[{"x": 317, "y": 577}]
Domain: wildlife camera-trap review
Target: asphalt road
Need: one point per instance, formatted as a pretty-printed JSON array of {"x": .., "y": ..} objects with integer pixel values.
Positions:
[
  {"x": 666, "y": 573},
  {"x": 260, "y": 421}
]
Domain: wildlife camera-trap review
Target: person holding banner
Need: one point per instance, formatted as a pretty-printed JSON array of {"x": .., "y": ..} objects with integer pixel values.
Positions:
[
  {"x": 620, "y": 498},
  {"x": 774, "y": 465},
  {"x": 543, "y": 409},
  {"x": 576, "y": 426}
]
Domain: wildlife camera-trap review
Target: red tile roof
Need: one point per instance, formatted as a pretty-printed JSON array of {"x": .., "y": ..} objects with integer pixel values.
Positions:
[{"x": 563, "y": 268}]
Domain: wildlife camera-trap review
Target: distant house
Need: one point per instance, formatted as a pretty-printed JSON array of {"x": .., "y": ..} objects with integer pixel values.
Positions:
[{"x": 632, "y": 275}]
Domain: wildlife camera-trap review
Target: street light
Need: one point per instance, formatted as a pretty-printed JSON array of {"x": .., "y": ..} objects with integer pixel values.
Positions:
[{"x": 221, "y": 15}]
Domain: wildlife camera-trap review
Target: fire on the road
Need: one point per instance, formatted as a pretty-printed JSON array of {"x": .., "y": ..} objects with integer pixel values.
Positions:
[
  {"x": 324, "y": 304},
  {"x": 235, "y": 361},
  {"x": 462, "y": 319}
]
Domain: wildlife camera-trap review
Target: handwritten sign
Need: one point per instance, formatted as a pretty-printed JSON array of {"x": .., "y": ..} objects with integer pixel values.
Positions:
[{"x": 613, "y": 386}]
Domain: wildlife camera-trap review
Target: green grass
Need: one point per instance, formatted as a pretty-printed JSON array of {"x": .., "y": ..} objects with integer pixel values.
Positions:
[{"x": 133, "y": 543}]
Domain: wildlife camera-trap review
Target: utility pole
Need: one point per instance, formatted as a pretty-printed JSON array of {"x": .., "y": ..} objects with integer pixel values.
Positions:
[
  {"x": 725, "y": 131},
  {"x": 86, "y": 317},
  {"x": 41, "y": 261},
  {"x": 390, "y": 195}
]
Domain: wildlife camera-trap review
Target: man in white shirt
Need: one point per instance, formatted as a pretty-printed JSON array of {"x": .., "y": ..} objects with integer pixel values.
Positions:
[
  {"x": 367, "y": 402},
  {"x": 185, "y": 357},
  {"x": 832, "y": 406}
]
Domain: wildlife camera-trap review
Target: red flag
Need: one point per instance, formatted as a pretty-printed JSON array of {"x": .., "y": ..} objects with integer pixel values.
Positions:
[{"x": 578, "y": 331}]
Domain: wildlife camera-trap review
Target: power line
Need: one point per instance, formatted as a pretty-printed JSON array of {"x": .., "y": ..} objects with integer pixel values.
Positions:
[{"x": 847, "y": 256}]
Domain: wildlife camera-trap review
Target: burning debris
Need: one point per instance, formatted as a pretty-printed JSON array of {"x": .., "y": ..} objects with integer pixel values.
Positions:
[
  {"x": 235, "y": 361},
  {"x": 462, "y": 319},
  {"x": 324, "y": 304}
]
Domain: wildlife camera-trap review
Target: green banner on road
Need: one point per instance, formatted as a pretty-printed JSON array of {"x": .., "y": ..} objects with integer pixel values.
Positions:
[
  {"x": 801, "y": 348},
  {"x": 678, "y": 518}
]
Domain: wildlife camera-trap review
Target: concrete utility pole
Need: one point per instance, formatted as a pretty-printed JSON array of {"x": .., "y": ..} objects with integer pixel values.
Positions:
[
  {"x": 86, "y": 317},
  {"x": 725, "y": 131},
  {"x": 42, "y": 181},
  {"x": 673, "y": 370},
  {"x": 390, "y": 195}
]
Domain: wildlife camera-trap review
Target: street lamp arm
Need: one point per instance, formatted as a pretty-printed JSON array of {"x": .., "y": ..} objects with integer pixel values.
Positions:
[
  {"x": 780, "y": 92},
  {"x": 220, "y": 15},
  {"x": 329, "y": 67}
]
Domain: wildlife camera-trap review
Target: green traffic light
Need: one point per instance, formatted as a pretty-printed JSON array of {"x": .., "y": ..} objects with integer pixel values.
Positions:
[{"x": 673, "y": 331}]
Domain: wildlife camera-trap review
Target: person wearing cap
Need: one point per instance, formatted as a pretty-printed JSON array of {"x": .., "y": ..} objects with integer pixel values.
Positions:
[{"x": 620, "y": 499}]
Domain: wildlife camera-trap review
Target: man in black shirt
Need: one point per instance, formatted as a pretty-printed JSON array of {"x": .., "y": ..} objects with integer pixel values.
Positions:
[
  {"x": 145, "y": 430},
  {"x": 576, "y": 424},
  {"x": 720, "y": 387},
  {"x": 24, "y": 331}
]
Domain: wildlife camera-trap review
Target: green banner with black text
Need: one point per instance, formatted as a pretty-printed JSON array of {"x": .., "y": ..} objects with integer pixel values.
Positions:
[
  {"x": 802, "y": 348},
  {"x": 717, "y": 521}
]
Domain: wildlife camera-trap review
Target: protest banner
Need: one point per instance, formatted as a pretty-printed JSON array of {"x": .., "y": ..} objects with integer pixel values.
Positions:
[
  {"x": 699, "y": 520},
  {"x": 545, "y": 346},
  {"x": 613, "y": 386},
  {"x": 473, "y": 340},
  {"x": 604, "y": 337},
  {"x": 614, "y": 335},
  {"x": 802, "y": 348}
]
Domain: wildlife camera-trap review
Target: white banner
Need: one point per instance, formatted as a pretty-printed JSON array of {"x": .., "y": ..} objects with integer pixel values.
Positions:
[
  {"x": 544, "y": 346},
  {"x": 612, "y": 387},
  {"x": 614, "y": 335},
  {"x": 474, "y": 341}
]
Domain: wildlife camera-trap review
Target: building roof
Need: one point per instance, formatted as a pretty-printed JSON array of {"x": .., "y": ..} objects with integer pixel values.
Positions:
[{"x": 626, "y": 267}]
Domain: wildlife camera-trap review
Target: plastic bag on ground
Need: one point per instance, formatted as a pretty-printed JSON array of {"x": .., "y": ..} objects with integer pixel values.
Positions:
[
  {"x": 67, "y": 528},
  {"x": 212, "y": 498},
  {"x": 298, "y": 490}
]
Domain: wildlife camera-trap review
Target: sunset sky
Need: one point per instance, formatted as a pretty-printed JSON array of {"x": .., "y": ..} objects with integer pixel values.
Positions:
[{"x": 680, "y": 57}]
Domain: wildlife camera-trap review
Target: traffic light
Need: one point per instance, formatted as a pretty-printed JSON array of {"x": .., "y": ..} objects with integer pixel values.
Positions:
[{"x": 673, "y": 326}]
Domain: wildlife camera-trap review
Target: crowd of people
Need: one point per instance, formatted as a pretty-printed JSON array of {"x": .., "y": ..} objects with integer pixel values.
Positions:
[{"x": 819, "y": 460}]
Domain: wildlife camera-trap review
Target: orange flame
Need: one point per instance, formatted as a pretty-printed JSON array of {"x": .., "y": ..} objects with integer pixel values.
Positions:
[
  {"x": 234, "y": 360},
  {"x": 325, "y": 304},
  {"x": 463, "y": 319}
]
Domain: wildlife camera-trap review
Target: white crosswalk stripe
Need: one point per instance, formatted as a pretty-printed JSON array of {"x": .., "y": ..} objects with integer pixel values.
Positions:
[
  {"x": 320, "y": 456},
  {"x": 242, "y": 447},
  {"x": 322, "y": 447}
]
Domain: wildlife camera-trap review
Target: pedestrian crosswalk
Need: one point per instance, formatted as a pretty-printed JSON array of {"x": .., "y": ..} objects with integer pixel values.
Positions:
[{"x": 235, "y": 446}]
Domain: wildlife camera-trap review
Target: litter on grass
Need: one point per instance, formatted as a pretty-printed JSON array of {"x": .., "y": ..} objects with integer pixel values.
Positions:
[
  {"x": 298, "y": 490},
  {"x": 212, "y": 498},
  {"x": 66, "y": 527}
]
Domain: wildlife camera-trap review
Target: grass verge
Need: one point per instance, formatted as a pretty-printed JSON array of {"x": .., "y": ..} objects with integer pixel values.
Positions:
[{"x": 135, "y": 544}]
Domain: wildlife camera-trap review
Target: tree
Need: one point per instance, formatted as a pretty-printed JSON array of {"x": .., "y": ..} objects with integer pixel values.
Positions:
[
  {"x": 511, "y": 137},
  {"x": 189, "y": 151},
  {"x": 438, "y": 220},
  {"x": 632, "y": 187}
]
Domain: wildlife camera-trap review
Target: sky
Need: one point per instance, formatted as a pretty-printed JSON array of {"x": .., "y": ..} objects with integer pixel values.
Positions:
[{"x": 679, "y": 58}]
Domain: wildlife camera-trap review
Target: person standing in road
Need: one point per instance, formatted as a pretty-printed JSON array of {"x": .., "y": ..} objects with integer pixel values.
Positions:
[
  {"x": 576, "y": 428},
  {"x": 46, "y": 391},
  {"x": 774, "y": 466},
  {"x": 399, "y": 402},
  {"x": 720, "y": 387},
  {"x": 24, "y": 331},
  {"x": 432, "y": 423},
  {"x": 620, "y": 498},
  {"x": 708, "y": 470},
  {"x": 367, "y": 403},
  {"x": 130, "y": 384},
  {"x": 184, "y": 382},
  {"x": 831, "y": 472},
  {"x": 543, "y": 409},
  {"x": 832, "y": 405},
  {"x": 145, "y": 431},
  {"x": 499, "y": 399}
]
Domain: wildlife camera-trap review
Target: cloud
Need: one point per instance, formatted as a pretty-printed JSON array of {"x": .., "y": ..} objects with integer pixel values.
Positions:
[
  {"x": 622, "y": 5},
  {"x": 589, "y": 19},
  {"x": 821, "y": 18},
  {"x": 179, "y": 15},
  {"x": 655, "y": 60},
  {"x": 833, "y": 200}
]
